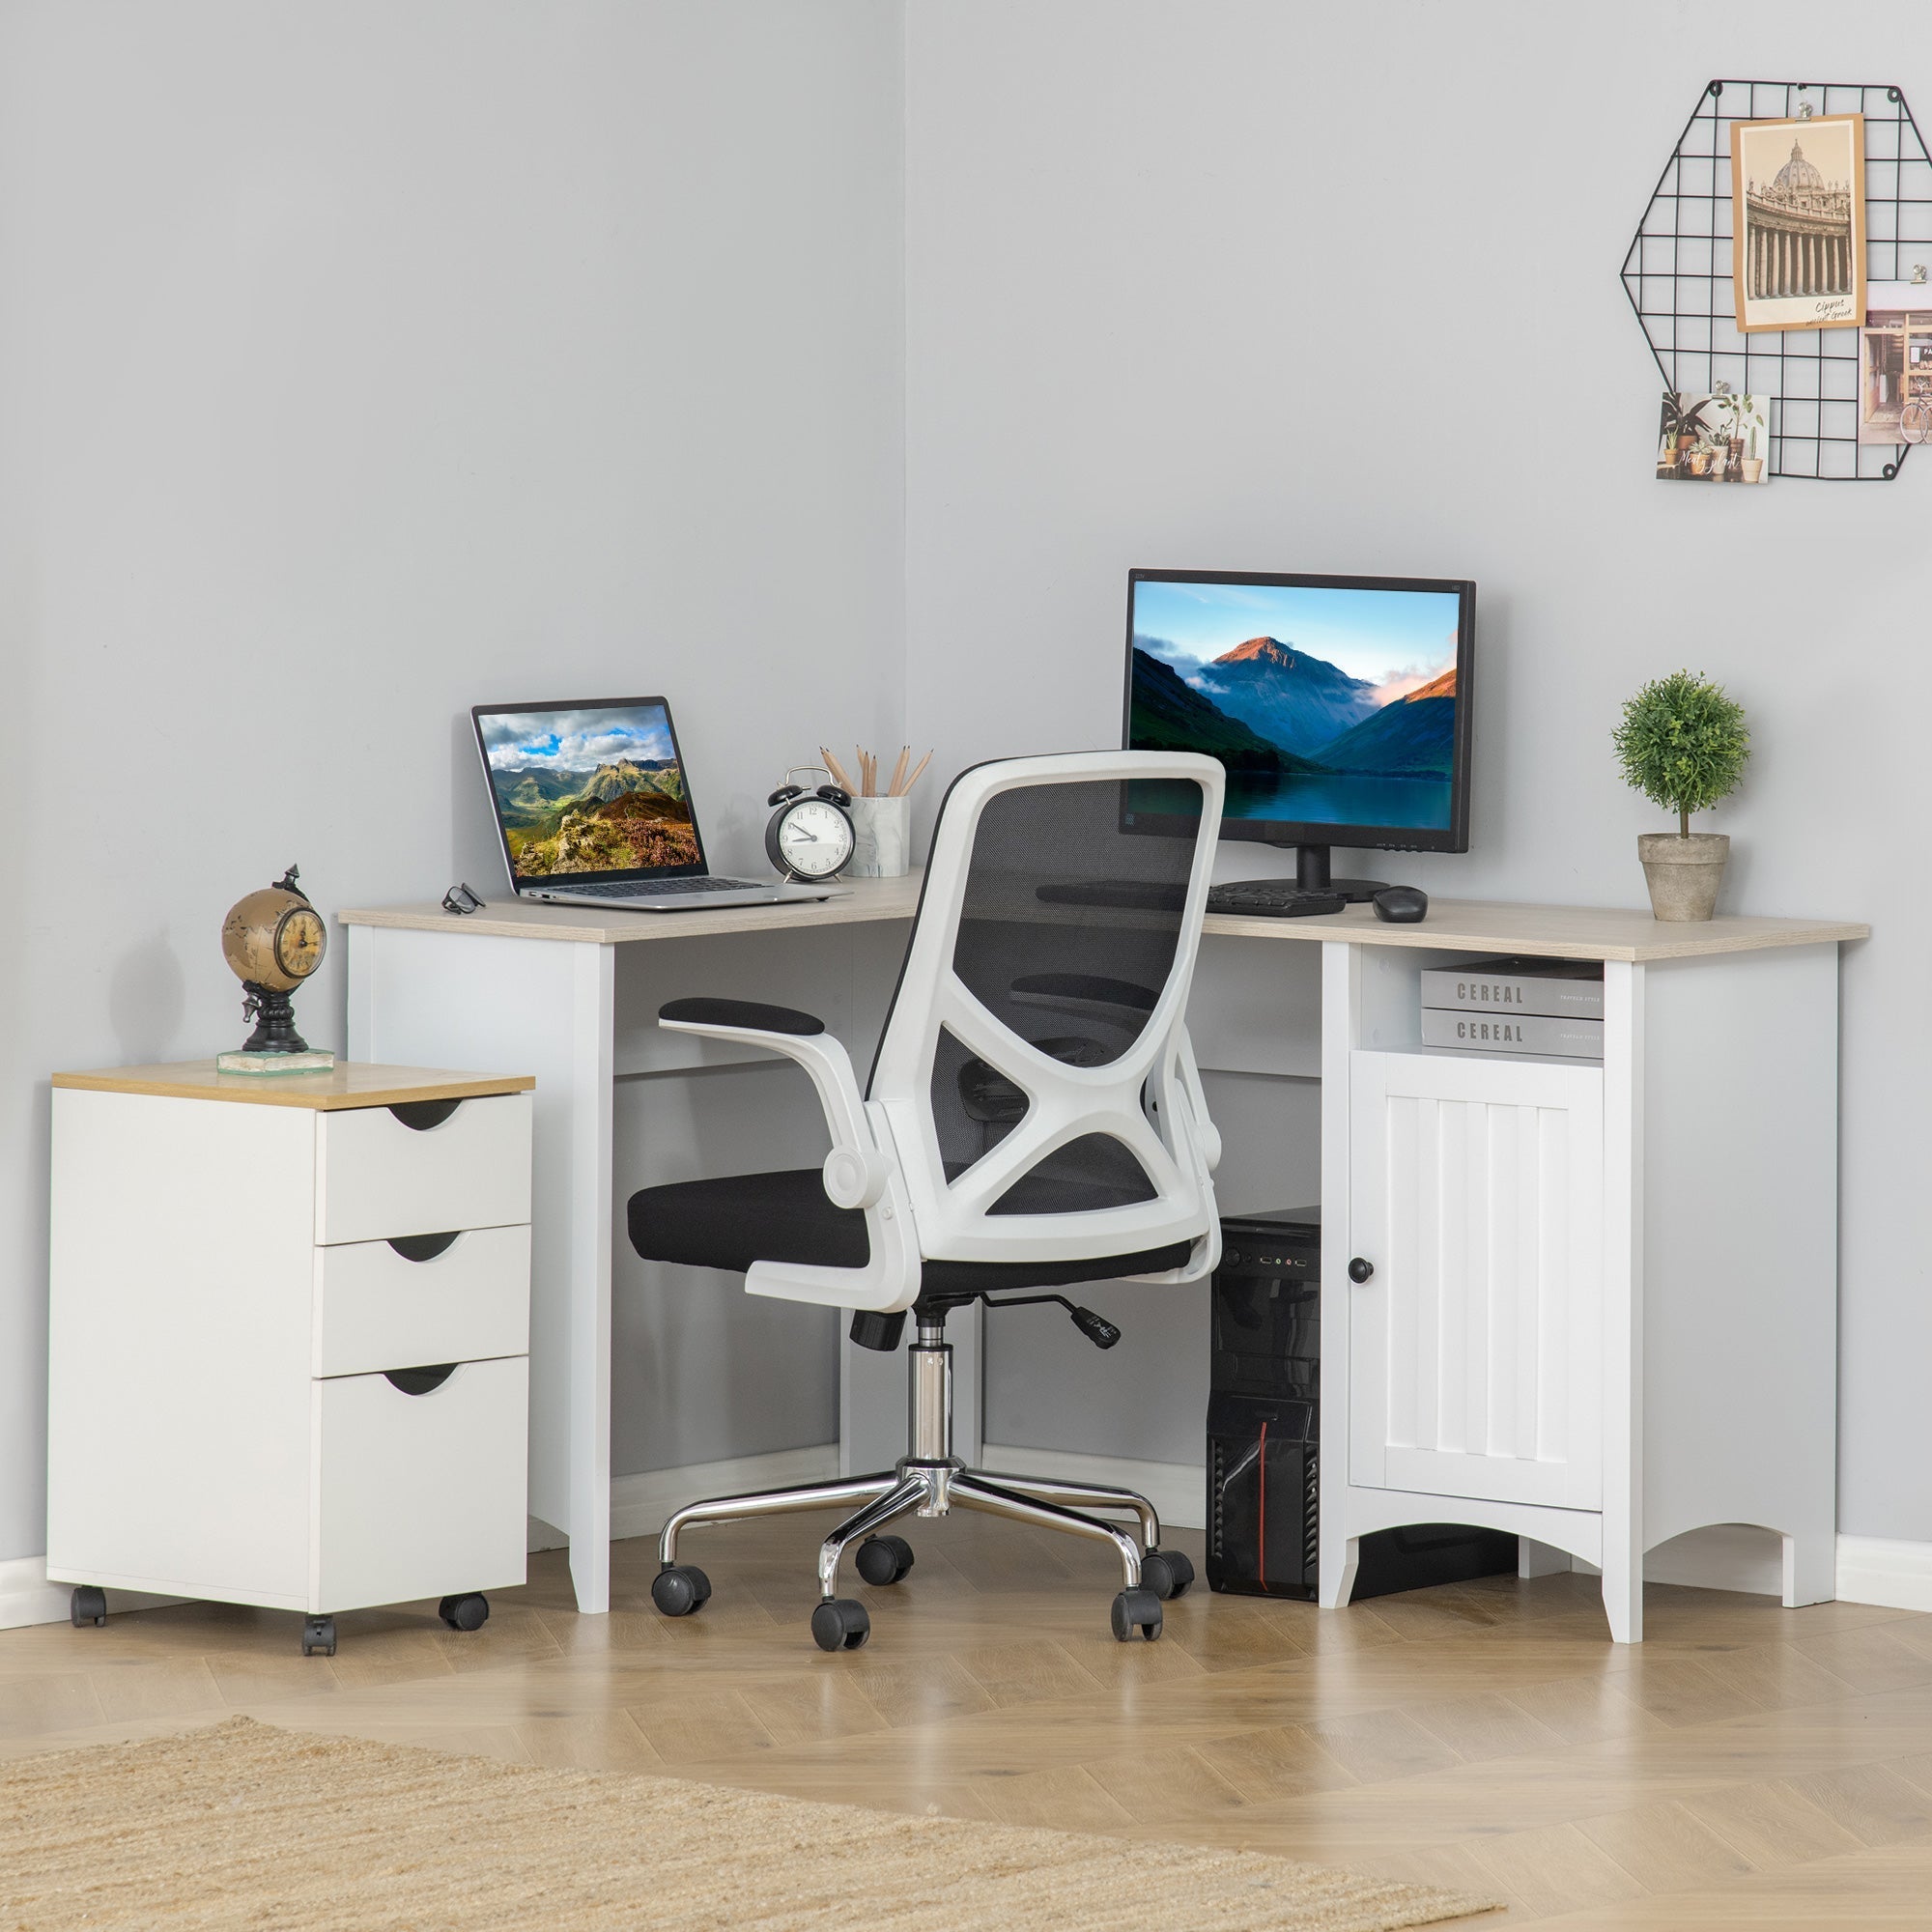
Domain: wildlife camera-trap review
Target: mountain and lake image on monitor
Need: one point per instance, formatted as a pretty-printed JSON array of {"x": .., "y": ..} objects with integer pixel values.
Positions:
[
  {"x": 1327, "y": 705},
  {"x": 595, "y": 791}
]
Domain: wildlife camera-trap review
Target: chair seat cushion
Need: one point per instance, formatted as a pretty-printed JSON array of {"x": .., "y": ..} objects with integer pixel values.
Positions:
[{"x": 737, "y": 1219}]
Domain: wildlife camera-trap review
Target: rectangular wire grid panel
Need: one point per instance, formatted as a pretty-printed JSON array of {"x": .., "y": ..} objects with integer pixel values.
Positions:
[{"x": 1678, "y": 275}]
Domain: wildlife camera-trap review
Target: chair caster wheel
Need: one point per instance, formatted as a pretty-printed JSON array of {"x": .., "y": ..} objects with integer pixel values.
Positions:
[
  {"x": 839, "y": 1624},
  {"x": 1136, "y": 1610},
  {"x": 87, "y": 1607},
  {"x": 1167, "y": 1573},
  {"x": 319, "y": 1636},
  {"x": 883, "y": 1560},
  {"x": 468, "y": 1613},
  {"x": 680, "y": 1589}
]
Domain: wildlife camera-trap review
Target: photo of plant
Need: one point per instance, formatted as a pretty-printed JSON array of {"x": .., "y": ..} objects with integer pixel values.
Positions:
[
  {"x": 1717, "y": 438},
  {"x": 588, "y": 791},
  {"x": 1331, "y": 705}
]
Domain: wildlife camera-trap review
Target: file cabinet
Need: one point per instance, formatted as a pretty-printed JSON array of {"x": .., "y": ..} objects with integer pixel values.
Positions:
[{"x": 289, "y": 1338}]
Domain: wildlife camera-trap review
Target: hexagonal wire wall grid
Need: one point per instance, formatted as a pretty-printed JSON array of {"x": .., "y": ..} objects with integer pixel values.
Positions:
[{"x": 1678, "y": 274}]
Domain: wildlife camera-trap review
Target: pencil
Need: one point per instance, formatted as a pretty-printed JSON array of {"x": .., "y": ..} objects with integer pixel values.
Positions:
[
  {"x": 916, "y": 770},
  {"x": 900, "y": 771}
]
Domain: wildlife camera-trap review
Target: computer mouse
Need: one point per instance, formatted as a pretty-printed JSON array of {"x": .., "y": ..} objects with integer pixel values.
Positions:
[{"x": 1402, "y": 905}]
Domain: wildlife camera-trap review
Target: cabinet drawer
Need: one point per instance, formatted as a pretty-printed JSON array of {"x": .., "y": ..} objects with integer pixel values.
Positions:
[
  {"x": 419, "y": 1496},
  {"x": 377, "y": 1307},
  {"x": 385, "y": 1171}
]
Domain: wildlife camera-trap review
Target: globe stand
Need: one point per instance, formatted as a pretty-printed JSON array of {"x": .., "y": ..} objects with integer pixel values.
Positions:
[
  {"x": 274, "y": 1046},
  {"x": 275, "y": 1021}
]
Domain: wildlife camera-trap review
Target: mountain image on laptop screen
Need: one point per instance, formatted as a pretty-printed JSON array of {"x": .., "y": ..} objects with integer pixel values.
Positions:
[
  {"x": 588, "y": 791},
  {"x": 1326, "y": 705}
]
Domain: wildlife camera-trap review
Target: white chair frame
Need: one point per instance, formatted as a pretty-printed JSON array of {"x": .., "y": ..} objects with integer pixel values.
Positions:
[{"x": 886, "y": 1161}]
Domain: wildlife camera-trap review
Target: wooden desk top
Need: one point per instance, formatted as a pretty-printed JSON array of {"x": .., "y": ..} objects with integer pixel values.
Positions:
[
  {"x": 346, "y": 1084},
  {"x": 1453, "y": 925},
  {"x": 506, "y": 917},
  {"x": 1556, "y": 933}
]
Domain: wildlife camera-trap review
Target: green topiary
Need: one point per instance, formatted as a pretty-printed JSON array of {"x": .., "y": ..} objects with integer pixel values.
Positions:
[{"x": 1682, "y": 744}]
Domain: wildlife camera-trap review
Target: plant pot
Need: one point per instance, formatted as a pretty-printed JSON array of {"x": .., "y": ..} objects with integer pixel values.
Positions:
[
  {"x": 1753, "y": 469},
  {"x": 1683, "y": 874}
]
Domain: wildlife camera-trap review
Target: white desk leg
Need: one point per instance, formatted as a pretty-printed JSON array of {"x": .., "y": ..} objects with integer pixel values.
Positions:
[
  {"x": 540, "y": 1006},
  {"x": 1623, "y": 1299},
  {"x": 1341, "y": 1027}
]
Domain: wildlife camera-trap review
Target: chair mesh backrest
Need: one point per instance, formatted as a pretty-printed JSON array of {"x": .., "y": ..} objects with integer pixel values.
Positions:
[{"x": 1068, "y": 941}]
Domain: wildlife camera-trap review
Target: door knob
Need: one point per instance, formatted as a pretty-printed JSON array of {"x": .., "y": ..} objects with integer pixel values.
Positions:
[{"x": 1360, "y": 1270}]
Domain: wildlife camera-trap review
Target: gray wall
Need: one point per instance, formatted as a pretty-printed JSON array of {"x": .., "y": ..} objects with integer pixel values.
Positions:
[
  {"x": 363, "y": 362},
  {"x": 359, "y": 362},
  {"x": 1255, "y": 286}
]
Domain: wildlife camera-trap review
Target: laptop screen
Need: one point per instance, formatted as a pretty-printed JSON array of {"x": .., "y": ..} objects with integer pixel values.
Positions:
[{"x": 590, "y": 789}]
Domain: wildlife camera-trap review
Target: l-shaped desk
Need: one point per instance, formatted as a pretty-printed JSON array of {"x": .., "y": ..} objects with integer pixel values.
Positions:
[{"x": 1603, "y": 1309}]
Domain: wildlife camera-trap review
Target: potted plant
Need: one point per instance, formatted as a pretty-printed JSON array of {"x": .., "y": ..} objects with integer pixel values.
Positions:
[
  {"x": 1753, "y": 461},
  {"x": 1682, "y": 744}
]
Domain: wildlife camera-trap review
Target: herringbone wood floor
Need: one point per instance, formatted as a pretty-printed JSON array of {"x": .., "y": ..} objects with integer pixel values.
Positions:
[{"x": 1746, "y": 1766}]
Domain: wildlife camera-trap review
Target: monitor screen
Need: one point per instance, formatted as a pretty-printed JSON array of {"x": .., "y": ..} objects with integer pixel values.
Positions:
[
  {"x": 1339, "y": 705},
  {"x": 588, "y": 788}
]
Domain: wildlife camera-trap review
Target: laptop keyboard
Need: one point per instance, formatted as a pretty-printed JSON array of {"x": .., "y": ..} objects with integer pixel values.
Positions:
[{"x": 637, "y": 889}]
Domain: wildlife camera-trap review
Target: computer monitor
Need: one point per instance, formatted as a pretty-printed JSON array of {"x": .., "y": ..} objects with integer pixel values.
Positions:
[{"x": 1339, "y": 706}]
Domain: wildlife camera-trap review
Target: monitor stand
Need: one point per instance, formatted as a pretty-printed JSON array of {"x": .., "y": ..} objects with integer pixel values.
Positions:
[{"x": 1311, "y": 875}]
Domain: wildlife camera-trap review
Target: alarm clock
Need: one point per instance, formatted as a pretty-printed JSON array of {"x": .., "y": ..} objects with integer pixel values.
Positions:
[
  {"x": 274, "y": 940},
  {"x": 809, "y": 837}
]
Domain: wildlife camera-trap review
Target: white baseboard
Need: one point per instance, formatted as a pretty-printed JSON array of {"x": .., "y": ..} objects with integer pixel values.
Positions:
[
  {"x": 1177, "y": 1490},
  {"x": 639, "y": 1503},
  {"x": 1878, "y": 1570},
  {"x": 26, "y": 1597}
]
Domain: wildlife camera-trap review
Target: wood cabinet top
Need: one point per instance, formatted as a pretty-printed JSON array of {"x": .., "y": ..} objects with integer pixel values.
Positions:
[
  {"x": 346, "y": 1084},
  {"x": 1453, "y": 925}
]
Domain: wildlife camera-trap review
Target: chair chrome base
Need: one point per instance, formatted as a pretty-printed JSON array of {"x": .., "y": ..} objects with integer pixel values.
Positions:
[{"x": 934, "y": 1481}]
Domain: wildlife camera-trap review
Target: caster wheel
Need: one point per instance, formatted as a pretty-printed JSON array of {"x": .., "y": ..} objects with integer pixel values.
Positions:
[
  {"x": 468, "y": 1612},
  {"x": 680, "y": 1589},
  {"x": 1167, "y": 1573},
  {"x": 1136, "y": 1610},
  {"x": 87, "y": 1607},
  {"x": 319, "y": 1636},
  {"x": 884, "y": 1559},
  {"x": 839, "y": 1624}
]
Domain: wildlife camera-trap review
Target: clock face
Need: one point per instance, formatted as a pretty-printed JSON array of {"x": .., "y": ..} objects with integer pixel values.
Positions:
[
  {"x": 814, "y": 839},
  {"x": 300, "y": 940}
]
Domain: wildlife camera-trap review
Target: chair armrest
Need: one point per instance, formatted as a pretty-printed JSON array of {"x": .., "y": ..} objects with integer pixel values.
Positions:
[
  {"x": 855, "y": 1170},
  {"x": 862, "y": 1171},
  {"x": 746, "y": 1015}
]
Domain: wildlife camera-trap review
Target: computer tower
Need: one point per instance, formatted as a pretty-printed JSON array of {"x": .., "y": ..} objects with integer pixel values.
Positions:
[{"x": 1265, "y": 1432}]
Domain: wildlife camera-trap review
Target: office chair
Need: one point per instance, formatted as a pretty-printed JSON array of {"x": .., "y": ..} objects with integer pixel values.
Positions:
[{"x": 1034, "y": 1119}]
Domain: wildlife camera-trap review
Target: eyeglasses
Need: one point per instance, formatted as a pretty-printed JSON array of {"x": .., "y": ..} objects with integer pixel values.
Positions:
[{"x": 460, "y": 899}]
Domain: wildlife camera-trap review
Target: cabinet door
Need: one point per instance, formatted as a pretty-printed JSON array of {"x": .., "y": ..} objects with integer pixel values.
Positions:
[{"x": 1475, "y": 1349}]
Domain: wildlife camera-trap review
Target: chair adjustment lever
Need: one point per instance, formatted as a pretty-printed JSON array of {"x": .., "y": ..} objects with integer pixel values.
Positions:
[{"x": 1097, "y": 1329}]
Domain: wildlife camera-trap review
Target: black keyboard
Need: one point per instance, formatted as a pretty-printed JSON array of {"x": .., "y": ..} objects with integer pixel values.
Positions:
[
  {"x": 1258, "y": 898},
  {"x": 1270, "y": 898},
  {"x": 637, "y": 889}
]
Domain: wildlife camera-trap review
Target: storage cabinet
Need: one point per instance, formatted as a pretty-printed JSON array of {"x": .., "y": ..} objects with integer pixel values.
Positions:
[
  {"x": 1594, "y": 1307},
  {"x": 289, "y": 1338}
]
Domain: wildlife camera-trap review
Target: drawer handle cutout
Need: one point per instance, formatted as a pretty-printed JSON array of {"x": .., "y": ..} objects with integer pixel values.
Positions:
[
  {"x": 420, "y": 1116},
  {"x": 419, "y": 1381},
  {"x": 424, "y": 1247}
]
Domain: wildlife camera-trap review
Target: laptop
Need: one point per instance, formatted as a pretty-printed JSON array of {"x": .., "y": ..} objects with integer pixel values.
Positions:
[{"x": 593, "y": 809}]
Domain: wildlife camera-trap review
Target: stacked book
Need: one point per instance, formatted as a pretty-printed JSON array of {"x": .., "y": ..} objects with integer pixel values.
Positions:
[{"x": 1516, "y": 1005}]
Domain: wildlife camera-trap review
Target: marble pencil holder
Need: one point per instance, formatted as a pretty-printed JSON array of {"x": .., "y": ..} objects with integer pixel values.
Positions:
[{"x": 882, "y": 840}]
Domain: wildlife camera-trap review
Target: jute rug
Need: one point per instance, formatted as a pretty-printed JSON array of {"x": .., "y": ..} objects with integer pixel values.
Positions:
[{"x": 245, "y": 1825}]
